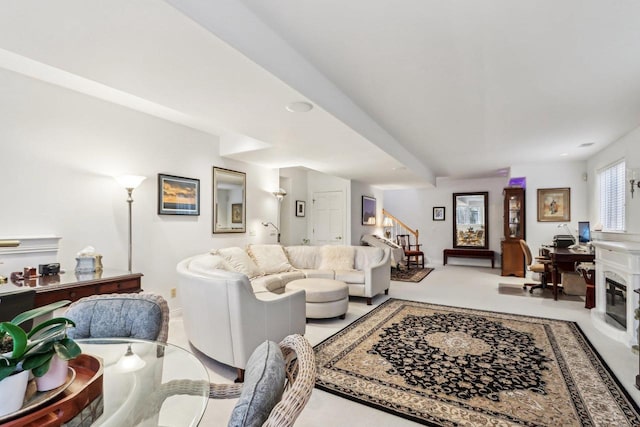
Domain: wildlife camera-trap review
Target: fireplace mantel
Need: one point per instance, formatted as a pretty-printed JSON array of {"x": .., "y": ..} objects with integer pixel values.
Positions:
[{"x": 621, "y": 259}]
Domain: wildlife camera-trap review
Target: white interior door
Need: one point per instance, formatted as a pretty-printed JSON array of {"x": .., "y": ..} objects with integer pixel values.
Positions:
[{"x": 328, "y": 218}]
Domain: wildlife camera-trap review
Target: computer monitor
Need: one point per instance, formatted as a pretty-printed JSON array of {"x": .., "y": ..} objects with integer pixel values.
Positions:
[{"x": 584, "y": 232}]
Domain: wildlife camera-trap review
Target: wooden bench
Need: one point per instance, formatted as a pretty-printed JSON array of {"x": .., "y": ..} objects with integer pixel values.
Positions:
[{"x": 469, "y": 253}]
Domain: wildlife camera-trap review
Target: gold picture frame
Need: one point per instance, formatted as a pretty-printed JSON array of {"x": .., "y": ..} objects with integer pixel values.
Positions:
[{"x": 554, "y": 204}]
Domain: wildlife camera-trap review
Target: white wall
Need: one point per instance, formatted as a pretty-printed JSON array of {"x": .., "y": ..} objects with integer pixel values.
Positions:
[
  {"x": 628, "y": 148},
  {"x": 359, "y": 189},
  {"x": 60, "y": 151},
  {"x": 294, "y": 229},
  {"x": 415, "y": 207},
  {"x": 553, "y": 175}
]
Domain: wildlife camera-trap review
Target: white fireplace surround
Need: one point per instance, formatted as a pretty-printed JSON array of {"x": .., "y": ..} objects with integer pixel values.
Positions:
[{"x": 621, "y": 259}]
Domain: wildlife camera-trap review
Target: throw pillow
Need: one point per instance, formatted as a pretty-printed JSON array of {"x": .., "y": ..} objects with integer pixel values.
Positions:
[
  {"x": 240, "y": 261},
  {"x": 336, "y": 257},
  {"x": 207, "y": 263},
  {"x": 270, "y": 258},
  {"x": 263, "y": 386}
]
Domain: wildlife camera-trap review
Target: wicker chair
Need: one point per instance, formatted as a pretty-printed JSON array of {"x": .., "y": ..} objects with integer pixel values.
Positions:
[{"x": 301, "y": 377}]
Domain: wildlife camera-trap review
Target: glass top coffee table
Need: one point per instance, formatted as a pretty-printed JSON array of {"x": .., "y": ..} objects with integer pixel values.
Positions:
[{"x": 148, "y": 383}]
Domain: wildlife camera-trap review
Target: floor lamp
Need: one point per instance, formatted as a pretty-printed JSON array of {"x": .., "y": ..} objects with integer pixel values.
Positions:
[
  {"x": 280, "y": 196},
  {"x": 130, "y": 183}
]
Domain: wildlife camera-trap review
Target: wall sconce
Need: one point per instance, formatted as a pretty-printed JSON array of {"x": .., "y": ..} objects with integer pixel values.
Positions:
[
  {"x": 266, "y": 224},
  {"x": 280, "y": 194},
  {"x": 387, "y": 223},
  {"x": 633, "y": 180},
  {"x": 130, "y": 183}
]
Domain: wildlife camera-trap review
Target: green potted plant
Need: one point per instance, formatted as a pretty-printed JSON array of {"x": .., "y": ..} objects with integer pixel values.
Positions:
[{"x": 36, "y": 350}]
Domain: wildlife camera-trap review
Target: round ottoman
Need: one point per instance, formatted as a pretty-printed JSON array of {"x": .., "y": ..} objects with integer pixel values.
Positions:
[{"x": 325, "y": 298}]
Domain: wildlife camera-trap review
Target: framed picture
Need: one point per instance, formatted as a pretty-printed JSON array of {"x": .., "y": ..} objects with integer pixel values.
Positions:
[
  {"x": 178, "y": 195},
  {"x": 438, "y": 213},
  {"x": 236, "y": 213},
  {"x": 554, "y": 204},
  {"x": 300, "y": 205},
  {"x": 368, "y": 210}
]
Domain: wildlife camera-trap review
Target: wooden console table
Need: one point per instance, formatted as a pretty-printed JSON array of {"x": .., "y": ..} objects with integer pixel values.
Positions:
[
  {"x": 73, "y": 286},
  {"x": 468, "y": 253}
]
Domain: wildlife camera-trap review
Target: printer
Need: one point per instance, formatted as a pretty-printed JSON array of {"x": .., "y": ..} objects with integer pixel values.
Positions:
[{"x": 563, "y": 240}]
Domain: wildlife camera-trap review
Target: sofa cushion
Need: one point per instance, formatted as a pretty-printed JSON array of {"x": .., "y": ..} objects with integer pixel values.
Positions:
[
  {"x": 289, "y": 276},
  {"x": 206, "y": 263},
  {"x": 271, "y": 283},
  {"x": 350, "y": 276},
  {"x": 263, "y": 386},
  {"x": 303, "y": 257},
  {"x": 319, "y": 274},
  {"x": 238, "y": 260},
  {"x": 269, "y": 258},
  {"x": 367, "y": 256},
  {"x": 336, "y": 257}
]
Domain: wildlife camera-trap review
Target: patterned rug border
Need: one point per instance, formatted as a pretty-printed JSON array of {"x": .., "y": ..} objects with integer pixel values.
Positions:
[
  {"x": 582, "y": 337},
  {"x": 426, "y": 271}
]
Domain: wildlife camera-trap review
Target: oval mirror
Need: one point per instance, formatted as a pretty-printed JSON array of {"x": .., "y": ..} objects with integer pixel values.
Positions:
[
  {"x": 470, "y": 225},
  {"x": 229, "y": 201}
]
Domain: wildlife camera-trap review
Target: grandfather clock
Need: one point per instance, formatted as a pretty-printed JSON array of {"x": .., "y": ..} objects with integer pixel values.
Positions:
[{"x": 514, "y": 231}]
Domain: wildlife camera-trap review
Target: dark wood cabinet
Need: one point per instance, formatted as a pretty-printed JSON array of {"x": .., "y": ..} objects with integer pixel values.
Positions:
[
  {"x": 514, "y": 231},
  {"x": 72, "y": 286}
]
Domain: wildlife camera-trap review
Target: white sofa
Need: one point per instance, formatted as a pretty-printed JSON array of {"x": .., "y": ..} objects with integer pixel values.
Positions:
[
  {"x": 223, "y": 318},
  {"x": 233, "y": 299}
]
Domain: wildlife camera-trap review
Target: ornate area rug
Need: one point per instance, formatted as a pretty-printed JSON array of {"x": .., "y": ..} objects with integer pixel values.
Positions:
[
  {"x": 448, "y": 366},
  {"x": 410, "y": 275}
]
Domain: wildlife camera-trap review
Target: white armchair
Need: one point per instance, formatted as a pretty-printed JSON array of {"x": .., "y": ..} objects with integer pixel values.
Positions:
[{"x": 225, "y": 320}]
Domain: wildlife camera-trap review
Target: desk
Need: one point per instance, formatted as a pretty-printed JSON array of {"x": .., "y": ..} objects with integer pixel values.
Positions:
[
  {"x": 564, "y": 259},
  {"x": 172, "y": 388}
]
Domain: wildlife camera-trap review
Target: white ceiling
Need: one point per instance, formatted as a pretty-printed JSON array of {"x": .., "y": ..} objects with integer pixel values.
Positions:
[{"x": 403, "y": 91}]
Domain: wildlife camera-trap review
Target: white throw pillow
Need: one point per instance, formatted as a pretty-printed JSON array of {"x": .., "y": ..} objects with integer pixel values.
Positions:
[
  {"x": 305, "y": 257},
  {"x": 207, "y": 263},
  {"x": 336, "y": 257},
  {"x": 269, "y": 258},
  {"x": 239, "y": 261}
]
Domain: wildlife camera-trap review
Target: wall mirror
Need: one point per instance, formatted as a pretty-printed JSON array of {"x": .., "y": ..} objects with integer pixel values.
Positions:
[
  {"x": 471, "y": 222},
  {"x": 229, "y": 201}
]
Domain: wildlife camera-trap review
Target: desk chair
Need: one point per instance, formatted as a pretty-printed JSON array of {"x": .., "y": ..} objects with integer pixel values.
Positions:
[
  {"x": 540, "y": 266},
  {"x": 416, "y": 254}
]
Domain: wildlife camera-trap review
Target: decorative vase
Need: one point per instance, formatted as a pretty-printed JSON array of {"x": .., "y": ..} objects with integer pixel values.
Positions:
[
  {"x": 12, "y": 390},
  {"x": 55, "y": 376}
]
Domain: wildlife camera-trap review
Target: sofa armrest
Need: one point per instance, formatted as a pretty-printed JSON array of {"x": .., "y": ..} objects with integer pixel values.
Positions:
[
  {"x": 378, "y": 276},
  {"x": 258, "y": 317}
]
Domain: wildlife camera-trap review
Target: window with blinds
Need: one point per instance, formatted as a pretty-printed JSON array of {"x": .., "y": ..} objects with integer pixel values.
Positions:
[{"x": 612, "y": 183}]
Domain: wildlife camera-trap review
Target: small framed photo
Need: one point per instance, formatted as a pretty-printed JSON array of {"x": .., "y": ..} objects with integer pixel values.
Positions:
[
  {"x": 438, "y": 213},
  {"x": 300, "y": 206},
  {"x": 178, "y": 195},
  {"x": 368, "y": 210},
  {"x": 554, "y": 204},
  {"x": 236, "y": 213}
]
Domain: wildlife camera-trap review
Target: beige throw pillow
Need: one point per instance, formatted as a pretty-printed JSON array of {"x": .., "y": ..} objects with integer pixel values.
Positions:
[
  {"x": 270, "y": 259},
  {"x": 240, "y": 261},
  {"x": 336, "y": 257}
]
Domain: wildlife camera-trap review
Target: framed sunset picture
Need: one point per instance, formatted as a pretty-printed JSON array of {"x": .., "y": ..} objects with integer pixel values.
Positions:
[{"x": 178, "y": 195}]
